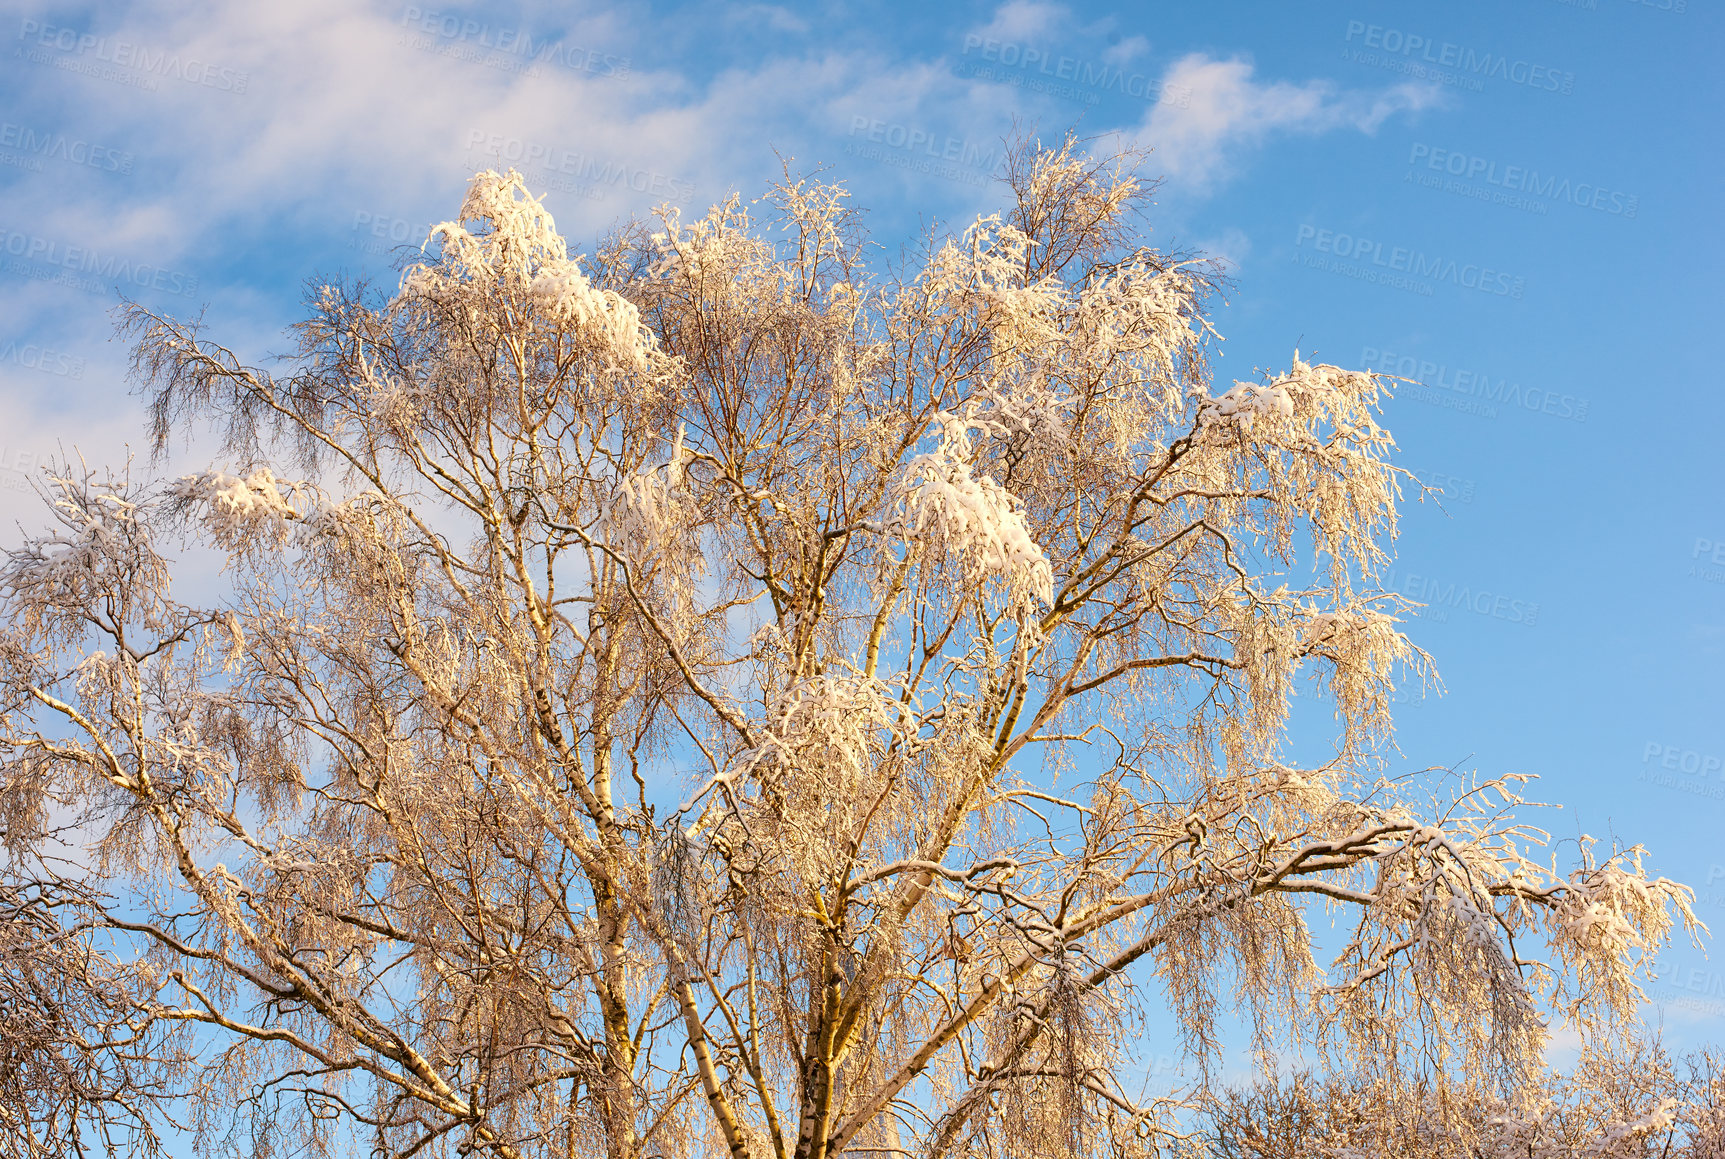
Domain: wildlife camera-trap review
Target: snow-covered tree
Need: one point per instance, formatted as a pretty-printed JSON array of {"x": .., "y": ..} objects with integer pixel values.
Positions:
[
  {"x": 717, "y": 695},
  {"x": 1630, "y": 1102}
]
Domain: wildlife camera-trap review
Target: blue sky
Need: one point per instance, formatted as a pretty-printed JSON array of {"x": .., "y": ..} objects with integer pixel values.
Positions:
[{"x": 1513, "y": 202}]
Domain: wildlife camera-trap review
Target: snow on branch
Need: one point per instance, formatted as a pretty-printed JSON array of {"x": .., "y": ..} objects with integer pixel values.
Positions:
[
  {"x": 976, "y": 521},
  {"x": 237, "y": 511},
  {"x": 517, "y": 252}
]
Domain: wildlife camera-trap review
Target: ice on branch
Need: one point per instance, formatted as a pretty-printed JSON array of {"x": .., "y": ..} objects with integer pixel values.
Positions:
[
  {"x": 821, "y": 754},
  {"x": 976, "y": 521},
  {"x": 567, "y": 297},
  {"x": 1344, "y": 398},
  {"x": 1148, "y": 314},
  {"x": 519, "y": 234},
  {"x": 827, "y": 729},
  {"x": 61, "y": 560},
  {"x": 1536, "y": 1127},
  {"x": 256, "y": 510},
  {"x": 647, "y": 508},
  {"x": 1030, "y": 409},
  {"x": 517, "y": 251},
  {"x": 1610, "y": 921},
  {"x": 984, "y": 272},
  {"x": 231, "y": 499},
  {"x": 1245, "y": 402},
  {"x": 651, "y": 520},
  {"x": 833, "y": 722},
  {"x": 101, "y": 538},
  {"x": 1321, "y": 626}
]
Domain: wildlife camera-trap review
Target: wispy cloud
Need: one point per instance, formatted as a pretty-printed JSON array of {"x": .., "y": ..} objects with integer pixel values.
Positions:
[
  {"x": 1022, "y": 20},
  {"x": 1223, "y": 112},
  {"x": 1125, "y": 50},
  {"x": 348, "y": 110},
  {"x": 773, "y": 16}
]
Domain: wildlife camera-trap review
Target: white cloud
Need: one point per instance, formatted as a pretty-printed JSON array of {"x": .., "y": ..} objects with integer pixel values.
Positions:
[
  {"x": 772, "y": 15},
  {"x": 1563, "y": 1047},
  {"x": 1126, "y": 50},
  {"x": 340, "y": 102},
  {"x": 1019, "y": 21},
  {"x": 1231, "y": 247},
  {"x": 349, "y": 109},
  {"x": 1213, "y": 110}
]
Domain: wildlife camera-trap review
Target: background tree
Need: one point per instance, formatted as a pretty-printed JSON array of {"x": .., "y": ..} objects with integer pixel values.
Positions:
[
  {"x": 722, "y": 695},
  {"x": 1630, "y": 1102}
]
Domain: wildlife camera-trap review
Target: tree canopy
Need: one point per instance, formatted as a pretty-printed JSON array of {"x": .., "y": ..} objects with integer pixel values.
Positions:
[{"x": 726, "y": 694}]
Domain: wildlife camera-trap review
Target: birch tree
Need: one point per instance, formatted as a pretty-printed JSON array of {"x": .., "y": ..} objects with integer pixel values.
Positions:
[
  {"x": 727, "y": 694},
  {"x": 1632, "y": 1101}
]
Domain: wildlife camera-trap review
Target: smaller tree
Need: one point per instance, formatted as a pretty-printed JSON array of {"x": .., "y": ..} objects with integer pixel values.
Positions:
[{"x": 1632, "y": 1103}]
